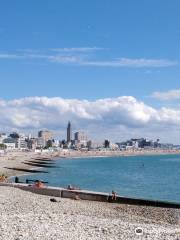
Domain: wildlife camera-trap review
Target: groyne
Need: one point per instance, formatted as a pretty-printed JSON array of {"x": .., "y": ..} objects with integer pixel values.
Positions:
[{"x": 91, "y": 196}]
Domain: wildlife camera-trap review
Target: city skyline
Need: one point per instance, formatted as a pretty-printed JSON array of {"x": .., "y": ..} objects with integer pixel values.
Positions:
[
  {"x": 117, "y": 119},
  {"x": 73, "y": 136},
  {"x": 112, "y": 68},
  {"x": 44, "y": 140}
]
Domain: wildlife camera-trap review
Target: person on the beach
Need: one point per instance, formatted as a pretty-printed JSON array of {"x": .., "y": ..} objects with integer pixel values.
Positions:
[
  {"x": 38, "y": 184},
  {"x": 76, "y": 197},
  {"x": 3, "y": 178},
  {"x": 70, "y": 187},
  {"x": 16, "y": 179},
  {"x": 113, "y": 197}
]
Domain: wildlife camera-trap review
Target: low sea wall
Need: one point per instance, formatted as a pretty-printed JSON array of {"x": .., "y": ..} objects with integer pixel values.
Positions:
[{"x": 91, "y": 196}]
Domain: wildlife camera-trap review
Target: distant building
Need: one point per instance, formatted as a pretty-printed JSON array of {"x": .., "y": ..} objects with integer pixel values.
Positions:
[
  {"x": 45, "y": 134},
  {"x": 142, "y": 143},
  {"x": 2, "y": 137},
  {"x": 106, "y": 143},
  {"x": 69, "y": 132},
  {"x": 32, "y": 143},
  {"x": 14, "y": 135},
  {"x": 80, "y": 137},
  {"x": 114, "y": 146},
  {"x": 10, "y": 143},
  {"x": 96, "y": 145},
  {"x": 89, "y": 144},
  {"x": 41, "y": 143},
  {"x": 56, "y": 143},
  {"x": 21, "y": 143}
]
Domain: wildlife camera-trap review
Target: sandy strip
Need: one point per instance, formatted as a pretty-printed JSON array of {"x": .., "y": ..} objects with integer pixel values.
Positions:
[
  {"x": 27, "y": 216},
  {"x": 17, "y": 159}
]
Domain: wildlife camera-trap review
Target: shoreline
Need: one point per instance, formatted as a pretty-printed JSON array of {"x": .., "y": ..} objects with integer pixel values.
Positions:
[
  {"x": 118, "y": 221},
  {"x": 20, "y": 159}
]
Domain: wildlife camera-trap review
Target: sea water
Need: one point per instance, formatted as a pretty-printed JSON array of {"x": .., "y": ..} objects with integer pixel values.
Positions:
[{"x": 151, "y": 177}]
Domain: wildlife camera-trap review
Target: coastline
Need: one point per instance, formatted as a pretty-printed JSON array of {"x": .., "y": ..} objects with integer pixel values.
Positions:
[
  {"x": 74, "y": 219},
  {"x": 19, "y": 160}
]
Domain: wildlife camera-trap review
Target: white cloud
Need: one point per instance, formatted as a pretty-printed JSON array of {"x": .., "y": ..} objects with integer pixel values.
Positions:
[
  {"x": 133, "y": 63},
  {"x": 166, "y": 96},
  {"x": 86, "y": 56},
  {"x": 65, "y": 59},
  {"x": 104, "y": 117},
  {"x": 80, "y": 49},
  {"x": 9, "y": 56}
]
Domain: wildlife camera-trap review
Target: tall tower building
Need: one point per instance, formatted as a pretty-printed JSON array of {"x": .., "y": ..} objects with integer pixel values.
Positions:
[{"x": 69, "y": 133}]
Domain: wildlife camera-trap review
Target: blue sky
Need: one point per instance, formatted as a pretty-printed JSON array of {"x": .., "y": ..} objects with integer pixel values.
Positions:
[
  {"x": 123, "y": 29},
  {"x": 90, "y": 49}
]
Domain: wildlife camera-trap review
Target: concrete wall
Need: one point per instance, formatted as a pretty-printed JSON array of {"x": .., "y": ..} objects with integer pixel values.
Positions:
[{"x": 90, "y": 195}]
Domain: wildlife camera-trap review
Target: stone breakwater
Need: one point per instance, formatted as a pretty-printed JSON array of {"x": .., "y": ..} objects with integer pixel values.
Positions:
[{"x": 27, "y": 216}]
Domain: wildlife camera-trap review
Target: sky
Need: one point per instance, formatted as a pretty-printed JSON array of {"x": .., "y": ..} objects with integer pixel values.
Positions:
[{"x": 111, "y": 67}]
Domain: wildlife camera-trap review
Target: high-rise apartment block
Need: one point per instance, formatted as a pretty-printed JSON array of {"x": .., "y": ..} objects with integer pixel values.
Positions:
[
  {"x": 45, "y": 135},
  {"x": 80, "y": 138}
]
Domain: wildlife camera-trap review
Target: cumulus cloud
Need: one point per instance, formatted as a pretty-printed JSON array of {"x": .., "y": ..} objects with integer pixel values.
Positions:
[
  {"x": 110, "y": 114},
  {"x": 167, "y": 96}
]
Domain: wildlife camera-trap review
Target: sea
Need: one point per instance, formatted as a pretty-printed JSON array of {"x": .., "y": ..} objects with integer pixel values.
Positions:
[{"x": 154, "y": 177}]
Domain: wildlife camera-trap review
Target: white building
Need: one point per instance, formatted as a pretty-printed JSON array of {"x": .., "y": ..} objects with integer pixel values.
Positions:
[
  {"x": 21, "y": 143},
  {"x": 55, "y": 143},
  {"x": 80, "y": 138},
  {"x": 10, "y": 143},
  {"x": 41, "y": 142},
  {"x": 2, "y": 137},
  {"x": 45, "y": 134}
]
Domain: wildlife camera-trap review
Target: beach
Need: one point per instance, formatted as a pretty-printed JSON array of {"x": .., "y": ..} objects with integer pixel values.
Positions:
[
  {"x": 27, "y": 216},
  {"x": 19, "y": 159}
]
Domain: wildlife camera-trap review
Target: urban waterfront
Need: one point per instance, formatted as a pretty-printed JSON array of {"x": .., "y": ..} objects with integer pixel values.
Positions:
[{"x": 150, "y": 177}]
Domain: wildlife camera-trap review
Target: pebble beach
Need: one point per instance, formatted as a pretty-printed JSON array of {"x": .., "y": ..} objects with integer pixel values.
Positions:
[{"x": 27, "y": 216}]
